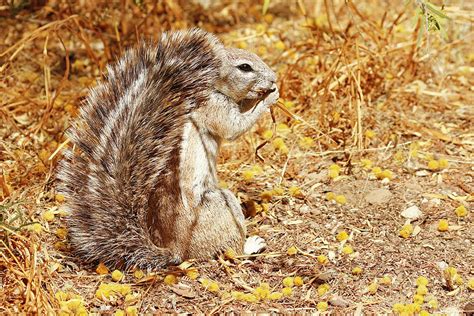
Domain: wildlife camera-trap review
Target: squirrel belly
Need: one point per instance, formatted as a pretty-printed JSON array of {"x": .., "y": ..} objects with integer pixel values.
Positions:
[{"x": 140, "y": 181}]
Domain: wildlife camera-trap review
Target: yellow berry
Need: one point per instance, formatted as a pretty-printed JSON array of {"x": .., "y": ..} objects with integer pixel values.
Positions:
[
  {"x": 59, "y": 198},
  {"x": 342, "y": 235},
  {"x": 119, "y": 312},
  {"x": 422, "y": 290},
  {"x": 295, "y": 191},
  {"x": 48, "y": 216},
  {"x": 398, "y": 308},
  {"x": 357, "y": 271},
  {"x": 292, "y": 251},
  {"x": 433, "y": 303},
  {"x": 61, "y": 232},
  {"x": 372, "y": 288},
  {"x": 386, "y": 174},
  {"x": 267, "y": 134},
  {"x": 102, "y": 269},
  {"x": 213, "y": 287},
  {"x": 422, "y": 281},
  {"x": 333, "y": 174},
  {"x": 131, "y": 311},
  {"x": 117, "y": 275},
  {"x": 192, "y": 273},
  {"x": 470, "y": 284},
  {"x": 322, "y": 259},
  {"x": 451, "y": 271},
  {"x": 248, "y": 175},
  {"x": 275, "y": 296},
  {"x": 461, "y": 211},
  {"x": 298, "y": 281},
  {"x": 386, "y": 280},
  {"x": 335, "y": 167},
  {"x": 366, "y": 163},
  {"x": 424, "y": 313},
  {"x": 322, "y": 306},
  {"x": 330, "y": 196},
  {"x": 341, "y": 199},
  {"x": 138, "y": 274},
  {"x": 376, "y": 171},
  {"x": 61, "y": 296},
  {"x": 418, "y": 299},
  {"x": 230, "y": 254},
  {"x": 443, "y": 163},
  {"x": 433, "y": 165},
  {"x": 443, "y": 225},
  {"x": 458, "y": 279},
  {"x": 347, "y": 249},
  {"x": 286, "y": 291},
  {"x": 170, "y": 279},
  {"x": 280, "y": 45},
  {"x": 323, "y": 289},
  {"x": 369, "y": 134},
  {"x": 36, "y": 228},
  {"x": 288, "y": 282},
  {"x": 306, "y": 142}
]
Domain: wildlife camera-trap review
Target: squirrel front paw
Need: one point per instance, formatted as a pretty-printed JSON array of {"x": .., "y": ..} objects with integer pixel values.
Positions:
[{"x": 272, "y": 97}]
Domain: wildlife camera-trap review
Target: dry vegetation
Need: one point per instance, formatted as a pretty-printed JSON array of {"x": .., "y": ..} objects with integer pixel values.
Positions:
[{"x": 360, "y": 95}]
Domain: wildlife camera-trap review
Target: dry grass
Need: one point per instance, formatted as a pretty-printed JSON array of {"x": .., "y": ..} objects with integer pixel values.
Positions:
[{"x": 352, "y": 79}]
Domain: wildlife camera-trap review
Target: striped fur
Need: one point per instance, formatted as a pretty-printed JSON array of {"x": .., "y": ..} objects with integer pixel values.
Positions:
[{"x": 126, "y": 145}]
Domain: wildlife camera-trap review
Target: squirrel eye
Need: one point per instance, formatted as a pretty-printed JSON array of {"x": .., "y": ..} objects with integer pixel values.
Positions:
[{"x": 245, "y": 67}]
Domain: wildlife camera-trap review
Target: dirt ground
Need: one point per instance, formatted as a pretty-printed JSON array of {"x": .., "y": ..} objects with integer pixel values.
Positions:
[{"x": 370, "y": 154}]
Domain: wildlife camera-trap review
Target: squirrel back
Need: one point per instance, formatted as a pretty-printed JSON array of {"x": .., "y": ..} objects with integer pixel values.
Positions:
[{"x": 126, "y": 141}]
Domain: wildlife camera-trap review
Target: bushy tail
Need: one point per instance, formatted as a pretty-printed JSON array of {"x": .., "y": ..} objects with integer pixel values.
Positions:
[{"x": 125, "y": 140}]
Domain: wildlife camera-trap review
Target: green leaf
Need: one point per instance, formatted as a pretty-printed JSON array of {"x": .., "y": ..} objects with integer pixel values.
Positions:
[
  {"x": 266, "y": 4},
  {"x": 433, "y": 10}
]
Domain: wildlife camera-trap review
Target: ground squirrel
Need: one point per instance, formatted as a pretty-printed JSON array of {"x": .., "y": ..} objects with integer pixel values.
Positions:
[{"x": 140, "y": 181}]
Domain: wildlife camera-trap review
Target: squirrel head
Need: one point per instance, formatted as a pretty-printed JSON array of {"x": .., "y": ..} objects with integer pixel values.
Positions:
[{"x": 244, "y": 76}]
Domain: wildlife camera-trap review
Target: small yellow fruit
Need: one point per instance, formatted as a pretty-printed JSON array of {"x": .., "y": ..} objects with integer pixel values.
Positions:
[
  {"x": 418, "y": 299},
  {"x": 102, "y": 269},
  {"x": 36, "y": 228},
  {"x": 131, "y": 311},
  {"x": 213, "y": 287},
  {"x": 288, "y": 282},
  {"x": 422, "y": 290},
  {"x": 357, "y": 271},
  {"x": 280, "y": 45},
  {"x": 322, "y": 259},
  {"x": 366, "y": 163},
  {"x": 192, "y": 273},
  {"x": 48, "y": 216},
  {"x": 275, "y": 296},
  {"x": 461, "y": 211},
  {"x": 372, "y": 288},
  {"x": 59, "y": 198},
  {"x": 267, "y": 134},
  {"x": 333, "y": 174},
  {"x": 385, "y": 280},
  {"x": 292, "y": 251},
  {"x": 422, "y": 281},
  {"x": 330, "y": 196},
  {"x": 322, "y": 306},
  {"x": 424, "y": 313},
  {"x": 287, "y": 291},
  {"x": 470, "y": 284},
  {"x": 369, "y": 134},
  {"x": 170, "y": 279},
  {"x": 306, "y": 142},
  {"x": 295, "y": 191},
  {"x": 443, "y": 225},
  {"x": 119, "y": 312},
  {"x": 323, "y": 289},
  {"x": 117, "y": 275},
  {"x": 398, "y": 308},
  {"x": 433, "y": 303},
  {"x": 298, "y": 281},
  {"x": 342, "y": 235},
  {"x": 61, "y": 232},
  {"x": 138, "y": 274},
  {"x": 347, "y": 249},
  {"x": 443, "y": 163},
  {"x": 341, "y": 199},
  {"x": 433, "y": 165}
]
